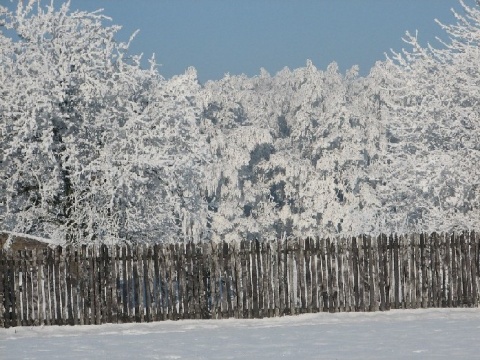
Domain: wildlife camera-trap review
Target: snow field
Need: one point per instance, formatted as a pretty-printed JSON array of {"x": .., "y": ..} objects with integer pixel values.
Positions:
[{"x": 397, "y": 334}]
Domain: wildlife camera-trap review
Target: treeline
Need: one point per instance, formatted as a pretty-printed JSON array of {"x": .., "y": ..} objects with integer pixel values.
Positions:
[{"x": 94, "y": 148}]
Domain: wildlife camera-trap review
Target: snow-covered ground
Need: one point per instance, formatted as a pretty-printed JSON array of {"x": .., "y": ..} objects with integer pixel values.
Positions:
[{"x": 402, "y": 334}]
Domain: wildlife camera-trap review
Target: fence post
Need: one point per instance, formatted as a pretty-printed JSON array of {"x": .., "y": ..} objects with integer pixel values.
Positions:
[
  {"x": 3, "y": 276},
  {"x": 474, "y": 267}
]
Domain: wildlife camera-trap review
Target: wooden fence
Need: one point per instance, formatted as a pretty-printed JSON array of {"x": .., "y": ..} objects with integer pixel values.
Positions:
[{"x": 118, "y": 284}]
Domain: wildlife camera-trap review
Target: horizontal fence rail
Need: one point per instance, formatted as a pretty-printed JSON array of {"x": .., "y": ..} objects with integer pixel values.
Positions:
[{"x": 142, "y": 283}]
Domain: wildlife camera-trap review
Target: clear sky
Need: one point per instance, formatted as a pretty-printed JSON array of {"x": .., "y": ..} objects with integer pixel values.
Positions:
[{"x": 241, "y": 36}]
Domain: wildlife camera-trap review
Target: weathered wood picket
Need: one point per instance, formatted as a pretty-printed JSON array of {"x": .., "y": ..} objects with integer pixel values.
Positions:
[{"x": 122, "y": 283}]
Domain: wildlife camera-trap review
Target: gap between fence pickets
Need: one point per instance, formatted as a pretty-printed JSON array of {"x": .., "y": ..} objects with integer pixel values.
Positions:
[{"x": 99, "y": 284}]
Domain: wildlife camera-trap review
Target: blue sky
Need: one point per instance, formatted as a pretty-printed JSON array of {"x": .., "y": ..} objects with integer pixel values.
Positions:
[{"x": 241, "y": 36}]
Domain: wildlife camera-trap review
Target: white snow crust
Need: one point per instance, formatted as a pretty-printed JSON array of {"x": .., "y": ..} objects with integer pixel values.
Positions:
[{"x": 397, "y": 334}]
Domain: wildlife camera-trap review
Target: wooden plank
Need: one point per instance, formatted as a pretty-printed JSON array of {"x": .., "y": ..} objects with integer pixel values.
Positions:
[
  {"x": 290, "y": 273},
  {"x": 453, "y": 272},
  {"x": 206, "y": 282},
  {"x": 75, "y": 258},
  {"x": 183, "y": 265},
  {"x": 314, "y": 274},
  {"x": 372, "y": 247},
  {"x": 389, "y": 274},
  {"x": 125, "y": 285},
  {"x": 348, "y": 276},
  {"x": 419, "y": 269},
  {"x": 136, "y": 284},
  {"x": 81, "y": 284},
  {"x": 450, "y": 261},
  {"x": 17, "y": 280},
  {"x": 323, "y": 272},
  {"x": 23, "y": 286},
  {"x": 298, "y": 268},
  {"x": 3, "y": 288},
  {"x": 339, "y": 245},
  {"x": 382, "y": 251},
  {"x": 9, "y": 288},
  {"x": 356, "y": 275},
  {"x": 63, "y": 287},
  {"x": 445, "y": 257},
  {"x": 331, "y": 276},
  {"x": 162, "y": 283},
  {"x": 397, "y": 264},
  {"x": 99, "y": 284},
  {"x": 436, "y": 274},
  {"x": 362, "y": 271},
  {"x": 36, "y": 293},
  {"x": 465, "y": 266},
  {"x": 255, "y": 274},
  {"x": 300, "y": 260},
  {"x": 14, "y": 289},
  {"x": 40, "y": 264},
  {"x": 214, "y": 279},
  {"x": 239, "y": 286},
  {"x": 15, "y": 319},
  {"x": 405, "y": 245},
  {"x": 115, "y": 263},
  {"x": 86, "y": 279},
  {"x": 244, "y": 255},
  {"x": 201, "y": 304},
  {"x": 174, "y": 281},
  {"x": 264, "y": 280},
  {"x": 5, "y": 291},
  {"x": 172, "y": 299},
  {"x": 308, "y": 276},
  {"x": 366, "y": 272},
  {"x": 156, "y": 289},
  {"x": 196, "y": 255},
  {"x": 193, "y": 276},
  {"x": 141, "y": 292},
  {"x": 249, "y": 257},
  {"x": 458, "y": 269},
  {"x": 227, "y": 288},
  {"x": 220, "y": 289},
  {"x": 413, "y": 272},
  {"x": 271, "y": 275},
  {"x": 150, "y": 283},
  {"x": 474, "y": 268},
  {"x": 17, "y": 265},
  {"x": 117, "y": 283},
  {"x": 29, "y": 287},
  {"x": 116, "y": 277},
  {"x": 178, "y": 284},
  {"x": 388, "y": 269},
  {"x": 68, "y": 285},
  {"x": 282, "y": 279},
  {"x": 110, "y": 288},
  {"x": 430, "y": 268},
  {"x": 58, "y": 286},
  {"x": 144, "y": 284},
  {"x": 439, "y": 271},
  {"x": 89, "y": 287},
  {"x": 232, "y": 281}
]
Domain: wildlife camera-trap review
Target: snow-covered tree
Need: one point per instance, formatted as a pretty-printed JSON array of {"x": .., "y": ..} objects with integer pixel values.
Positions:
[
  {"x": 294, "y": 153},
  {"x": 431, "y": 114},
  {"x": 93, "y": 146}
]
